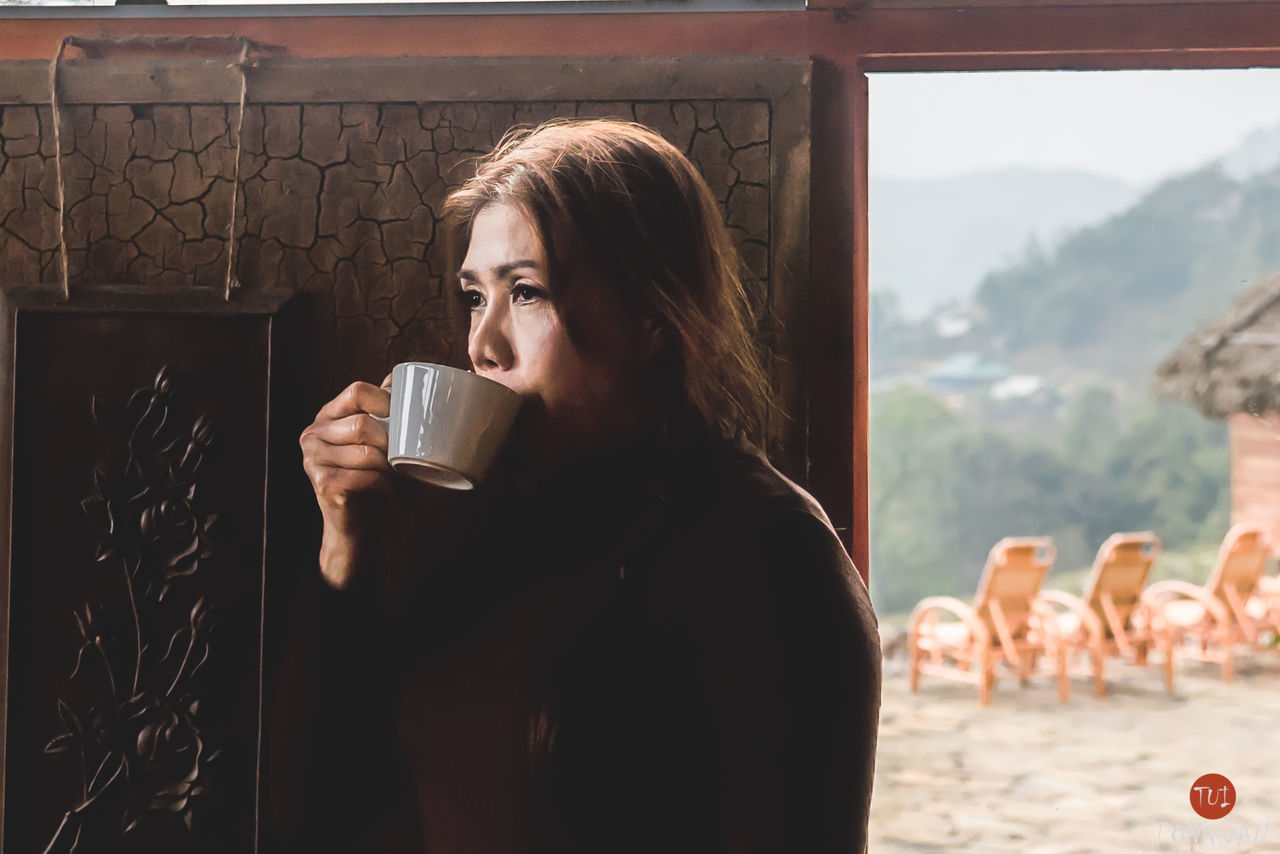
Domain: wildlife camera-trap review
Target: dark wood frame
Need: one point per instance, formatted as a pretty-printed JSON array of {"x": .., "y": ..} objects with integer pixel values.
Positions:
[
  {"x": 19, "y": 299},
  {"x": 291, "y": 80}
]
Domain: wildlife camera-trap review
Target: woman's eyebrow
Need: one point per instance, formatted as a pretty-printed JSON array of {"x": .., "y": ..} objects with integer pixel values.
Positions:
[{"x": 501, "y": 271}]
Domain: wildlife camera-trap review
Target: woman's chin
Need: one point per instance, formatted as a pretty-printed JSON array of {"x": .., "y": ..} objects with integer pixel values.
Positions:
[
  {"x": 531, "y": 439},
  {"x": 541, "y": 437}
]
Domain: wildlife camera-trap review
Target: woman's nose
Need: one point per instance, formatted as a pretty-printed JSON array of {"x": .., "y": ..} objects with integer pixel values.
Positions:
[{"x": 489, "y": 345}]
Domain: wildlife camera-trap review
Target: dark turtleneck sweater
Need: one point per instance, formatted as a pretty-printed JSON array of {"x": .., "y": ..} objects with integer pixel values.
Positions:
[{"x": 658, "y": 648}]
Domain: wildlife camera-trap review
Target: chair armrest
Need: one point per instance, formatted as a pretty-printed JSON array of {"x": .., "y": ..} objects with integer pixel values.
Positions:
[
  {"x": 928, "y": 608},
  {"x": 1074, "y": 604},
  {"x": 1157, "y": 594}
]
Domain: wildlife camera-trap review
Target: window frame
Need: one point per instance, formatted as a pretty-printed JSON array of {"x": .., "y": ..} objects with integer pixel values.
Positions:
[
  {"x": 1020, "y": 35},
  {"x": 415, "y": 8}
]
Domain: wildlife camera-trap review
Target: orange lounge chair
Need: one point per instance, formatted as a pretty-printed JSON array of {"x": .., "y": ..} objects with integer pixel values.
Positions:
[
  {"x": 1265, "y": 606},
  {"x": 1005, "y": 623},
  {"x": 1215, "y": 617},
  {"x": 1110, "y": 619}
]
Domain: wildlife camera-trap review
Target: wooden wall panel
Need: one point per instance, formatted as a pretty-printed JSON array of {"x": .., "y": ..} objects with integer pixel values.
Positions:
[
  {"x": 131, "y": 669},
  {"x": 342, "y": 199},
  {"x": 1255, "y": 471}
]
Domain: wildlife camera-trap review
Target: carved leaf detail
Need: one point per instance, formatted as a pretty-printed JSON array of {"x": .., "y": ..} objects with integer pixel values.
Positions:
[
  {"x": 95, "y": 507},
  {"x": 69, "y": 718},
  {"x": 105, "y": 413},
  {"x": 154, "y": 535},
  {"x": 162, "y": 384},
  {"x": 60, "y": 744}
]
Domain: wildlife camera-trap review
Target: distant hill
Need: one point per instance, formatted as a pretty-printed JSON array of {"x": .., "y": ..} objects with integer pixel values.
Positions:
[
  {"x": 1116, "y": 297},
  {"x": 932, "y": 241},
  {"x": 1257, "y": 153}
]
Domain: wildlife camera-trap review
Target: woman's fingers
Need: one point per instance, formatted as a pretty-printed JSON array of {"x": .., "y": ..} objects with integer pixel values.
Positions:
[
  {"x": 356, "y": 398},
  {"x": 357, "y": 429},
  {"x": 365, "y": 457},
  {"x": 344, "y": 451}
]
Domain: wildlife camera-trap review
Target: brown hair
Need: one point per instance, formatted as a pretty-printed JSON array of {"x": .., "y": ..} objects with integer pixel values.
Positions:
[{"x": 615, "y": 202}]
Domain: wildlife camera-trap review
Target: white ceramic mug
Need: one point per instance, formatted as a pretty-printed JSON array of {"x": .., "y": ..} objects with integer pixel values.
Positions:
[{"x": 447, "y": 425}]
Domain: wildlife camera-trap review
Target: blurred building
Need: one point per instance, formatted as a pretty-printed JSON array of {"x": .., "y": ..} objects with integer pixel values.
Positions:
[{"x": 1230, "y": 371}]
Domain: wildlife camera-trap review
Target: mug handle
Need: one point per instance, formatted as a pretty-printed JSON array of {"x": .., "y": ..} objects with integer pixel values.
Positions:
[{"x": 386, "y": 422}]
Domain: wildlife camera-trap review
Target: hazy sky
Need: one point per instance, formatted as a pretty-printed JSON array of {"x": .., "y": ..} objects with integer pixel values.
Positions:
[{"x": 1134, "y": 125}]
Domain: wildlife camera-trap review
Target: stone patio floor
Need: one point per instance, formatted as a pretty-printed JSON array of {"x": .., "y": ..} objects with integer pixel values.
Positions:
[{"x": 1092, "y": 776}]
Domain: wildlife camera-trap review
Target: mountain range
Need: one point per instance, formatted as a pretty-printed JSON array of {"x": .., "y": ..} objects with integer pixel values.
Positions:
[{"x": 933, "y": 241}]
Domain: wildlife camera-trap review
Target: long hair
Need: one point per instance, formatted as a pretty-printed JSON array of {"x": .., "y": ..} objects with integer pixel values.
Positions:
[{"x": 615, "y": 204}]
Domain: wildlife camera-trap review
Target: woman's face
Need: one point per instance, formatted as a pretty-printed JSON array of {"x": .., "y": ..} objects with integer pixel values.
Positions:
[{"x": 518, "y": 338}]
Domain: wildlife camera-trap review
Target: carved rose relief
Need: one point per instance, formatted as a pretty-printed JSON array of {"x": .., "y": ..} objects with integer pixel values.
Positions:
[{"x": 138, "y": 749}]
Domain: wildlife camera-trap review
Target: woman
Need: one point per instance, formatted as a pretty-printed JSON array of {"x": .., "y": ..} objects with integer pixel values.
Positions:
[{"x": 638, "y": 636}]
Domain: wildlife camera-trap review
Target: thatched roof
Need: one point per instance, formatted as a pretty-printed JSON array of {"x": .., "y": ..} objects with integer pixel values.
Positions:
[{"x": 1233, "y": 364}]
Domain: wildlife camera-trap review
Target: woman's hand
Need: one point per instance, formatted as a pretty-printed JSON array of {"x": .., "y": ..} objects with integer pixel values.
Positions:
[{"x": 344, "y": 453}]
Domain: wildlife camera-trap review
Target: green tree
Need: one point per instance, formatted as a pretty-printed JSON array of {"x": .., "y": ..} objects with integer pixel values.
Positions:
[
  {"x": 1093, "y": 424},
  {"x": 942, "y": 493},
  {"x": 908, "y": 433},
  {"x": 905, "y": 429},
  {"x": 1175, "y": 466}
]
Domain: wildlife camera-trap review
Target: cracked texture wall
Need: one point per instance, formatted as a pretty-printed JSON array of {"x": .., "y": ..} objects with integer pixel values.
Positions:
[{"x": 339, "y": 201}]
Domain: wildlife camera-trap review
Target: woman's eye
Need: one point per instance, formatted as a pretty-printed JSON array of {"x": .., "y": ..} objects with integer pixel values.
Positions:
[
  {"x": 526, "y": 293},
  {"x": 470, "y": 299}
]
